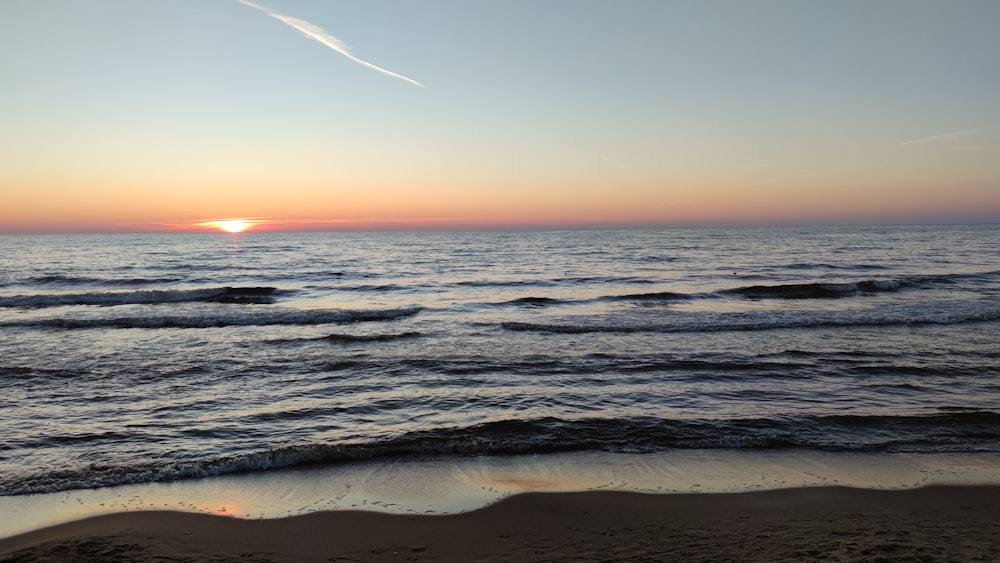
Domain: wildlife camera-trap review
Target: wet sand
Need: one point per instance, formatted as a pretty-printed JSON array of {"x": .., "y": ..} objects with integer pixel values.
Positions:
[{"x": 938, "y": 523}]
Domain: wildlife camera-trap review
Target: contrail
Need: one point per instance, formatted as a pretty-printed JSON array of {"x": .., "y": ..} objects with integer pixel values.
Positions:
[
  {"x": 843, "y": 170},
  {"x": 319, "y": 34},
  {"x": 763, "y": 165},
  {"x": 941, "y": 137}
]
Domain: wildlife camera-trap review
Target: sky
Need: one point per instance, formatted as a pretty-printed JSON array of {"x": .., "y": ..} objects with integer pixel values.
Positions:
[{"x": 147, "y": 115}]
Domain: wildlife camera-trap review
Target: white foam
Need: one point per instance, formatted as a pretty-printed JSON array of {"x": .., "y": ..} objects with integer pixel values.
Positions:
[{"x": 460, "y": 484}]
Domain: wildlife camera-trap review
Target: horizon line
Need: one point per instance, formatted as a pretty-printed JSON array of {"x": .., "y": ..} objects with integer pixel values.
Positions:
[{"x": 580, "y": 226}]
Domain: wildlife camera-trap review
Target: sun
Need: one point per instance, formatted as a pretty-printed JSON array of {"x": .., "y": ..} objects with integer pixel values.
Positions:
[
  {"x": 229, "y": 225},
  {"x": 234, "y": 225}
]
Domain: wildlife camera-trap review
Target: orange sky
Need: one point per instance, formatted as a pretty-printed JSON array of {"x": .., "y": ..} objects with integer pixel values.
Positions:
[{"x": 794, "y": 113}]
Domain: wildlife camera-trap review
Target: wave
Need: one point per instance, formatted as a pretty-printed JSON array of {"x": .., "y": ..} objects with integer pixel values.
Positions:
[
  {"x": 534, "y": 301},
  {"x": 951, "y": 279},
  {"x": 779, "y": 291},
  {"x": 938, "y": 313},
  {"x": 826, "y": 266},
  {"x": 224, "y": 318},
  {"x": 375, "y": 288},
  {"x": 353, "y": 338},
  {"x": 833, "y": 289},
  {"x": 656, "y": 296},
  {"x": 584, "y": 280},
  {"x": 807, "y": 290},
  {"x": 504, "y": 283},
  {"x": 24, "y": 372},
  {"x": 813, "y": 290},
  {"x": 959, "y": 431},
  {"x": 245, "y": 295},
  {"x": 345, "y": 339},
  {"x": 82, "y": 280}
]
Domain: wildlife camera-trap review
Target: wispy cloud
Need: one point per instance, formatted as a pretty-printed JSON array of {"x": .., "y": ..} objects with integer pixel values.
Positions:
[
  {"x": 187, "y": 224},
  {"x": 762, "y": 165},
  {"x": 843, "y": 170},
  {"x": 317, "y": 33},
  {"x": 941, "y": 137},
  {"x": 811, "y": 174}
]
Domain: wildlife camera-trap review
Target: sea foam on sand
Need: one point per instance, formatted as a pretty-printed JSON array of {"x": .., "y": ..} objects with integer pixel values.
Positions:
[{"x": 460, "y": 484}]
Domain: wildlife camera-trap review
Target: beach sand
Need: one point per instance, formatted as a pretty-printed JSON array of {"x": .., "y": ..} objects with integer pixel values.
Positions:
[{"x": 938, "y": 523}]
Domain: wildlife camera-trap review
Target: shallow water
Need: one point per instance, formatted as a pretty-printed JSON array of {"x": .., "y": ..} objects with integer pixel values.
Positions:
[{"x": 448, "y": 485}]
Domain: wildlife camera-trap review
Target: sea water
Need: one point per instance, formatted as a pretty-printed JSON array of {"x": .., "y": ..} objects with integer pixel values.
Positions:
[{"x": 141, "y": 358}]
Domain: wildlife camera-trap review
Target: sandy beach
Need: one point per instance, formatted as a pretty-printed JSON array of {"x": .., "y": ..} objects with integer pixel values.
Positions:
[{"x": 938, "y": 523}]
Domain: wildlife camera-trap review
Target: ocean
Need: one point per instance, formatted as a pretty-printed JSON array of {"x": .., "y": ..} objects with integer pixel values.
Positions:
[{"x": 141, "y": 358}]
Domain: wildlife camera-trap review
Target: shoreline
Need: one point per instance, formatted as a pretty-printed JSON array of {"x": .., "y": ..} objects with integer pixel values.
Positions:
[
  {"x": 435, "y": 486},
  {"x": 934, "y": 523}
]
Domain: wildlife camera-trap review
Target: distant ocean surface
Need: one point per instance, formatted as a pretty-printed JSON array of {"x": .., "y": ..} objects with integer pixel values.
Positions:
[{"x": 139, "y": 358}]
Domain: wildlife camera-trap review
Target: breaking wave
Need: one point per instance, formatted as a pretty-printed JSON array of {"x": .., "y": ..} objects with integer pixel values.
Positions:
[
  {"x": 946, "y": 432},
  {"x": 940, "y": 313},
  {"x": 355, "y": 338},
  {"x": 223, "y": 318},
  {"x": 246, "y": 295},
  {"x": 814, "y": 290}
]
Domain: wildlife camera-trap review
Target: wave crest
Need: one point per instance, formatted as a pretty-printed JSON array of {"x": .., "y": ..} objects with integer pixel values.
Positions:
[
  {"x": 946, "y": 432},
  {"x": 814, "y": 290},
  {"x": 941, "y": 313},
  {"x": 223, "y": 318},
  {"x": 245, "y": 295}
]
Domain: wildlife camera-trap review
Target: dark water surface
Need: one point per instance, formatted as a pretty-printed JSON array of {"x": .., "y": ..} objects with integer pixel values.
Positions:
[{"x": 134, "y": 358}]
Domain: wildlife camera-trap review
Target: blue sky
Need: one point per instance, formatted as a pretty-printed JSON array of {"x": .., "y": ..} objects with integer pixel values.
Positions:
[{"x": 136, "y": 112}]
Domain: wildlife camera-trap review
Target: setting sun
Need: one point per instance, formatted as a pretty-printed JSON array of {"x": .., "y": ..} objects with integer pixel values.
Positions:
[
  {"x": 233, "y": 226},
  {"x": 229, "y": 225}
]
